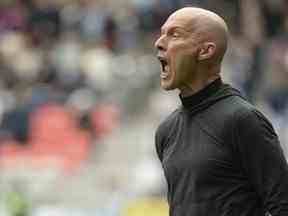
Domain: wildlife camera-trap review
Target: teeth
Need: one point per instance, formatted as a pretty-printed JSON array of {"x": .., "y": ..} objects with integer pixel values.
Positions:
[
  {"x": 166, "y": 68},
  {"x": 164, "y": 75}
]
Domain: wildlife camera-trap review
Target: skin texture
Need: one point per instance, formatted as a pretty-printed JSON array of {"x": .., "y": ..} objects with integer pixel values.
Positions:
[{"x": 193, "y": 42}]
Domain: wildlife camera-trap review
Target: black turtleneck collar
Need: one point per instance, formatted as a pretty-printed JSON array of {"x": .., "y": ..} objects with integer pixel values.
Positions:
[{"x": 201, "y": 95}]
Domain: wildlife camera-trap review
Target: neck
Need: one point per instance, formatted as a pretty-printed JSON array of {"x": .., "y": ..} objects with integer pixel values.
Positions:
[
  {"x": 196, "y": 86},
  {"x": 203, "y": 95},
  {"x": 201, "y": 81}
]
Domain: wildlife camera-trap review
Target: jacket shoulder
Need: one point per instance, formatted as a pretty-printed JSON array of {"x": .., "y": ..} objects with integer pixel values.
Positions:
[
  {"x": 221, "y": 119},
  {"x": 231, "y": 108}
]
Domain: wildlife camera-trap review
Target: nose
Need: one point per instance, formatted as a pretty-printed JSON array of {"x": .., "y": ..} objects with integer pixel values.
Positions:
[{"x": 159, "y": 44}]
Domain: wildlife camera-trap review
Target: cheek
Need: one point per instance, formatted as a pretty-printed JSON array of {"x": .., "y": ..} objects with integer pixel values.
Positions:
[
  {"x": 187, "y": 62},
  {"x": 183, "y": 52},
  {"x": 184, "y": 61},
  {"x": 176, "y": 56}
]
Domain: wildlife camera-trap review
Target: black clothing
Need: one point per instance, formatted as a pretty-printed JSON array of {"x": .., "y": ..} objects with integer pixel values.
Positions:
[{"x": 221, "y": 157}]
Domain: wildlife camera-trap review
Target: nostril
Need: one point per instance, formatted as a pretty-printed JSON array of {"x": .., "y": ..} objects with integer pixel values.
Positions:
[
  {"x": 159, "y": 44},
  {"x": 159, "y": 47}
]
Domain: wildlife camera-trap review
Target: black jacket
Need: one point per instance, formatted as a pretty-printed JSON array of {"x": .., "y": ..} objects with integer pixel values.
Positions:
[{"x": 221, "y": 157}]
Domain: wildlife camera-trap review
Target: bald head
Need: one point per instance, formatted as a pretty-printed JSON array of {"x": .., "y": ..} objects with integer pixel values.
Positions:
[
  {"x": 206, "y": 26},
  {"x": 199, "y": 14},
  {"x": 190, "y": 48}
]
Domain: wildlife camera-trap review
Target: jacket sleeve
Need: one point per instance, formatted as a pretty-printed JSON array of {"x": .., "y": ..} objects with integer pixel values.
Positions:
[{"x": 263, "y": 161}]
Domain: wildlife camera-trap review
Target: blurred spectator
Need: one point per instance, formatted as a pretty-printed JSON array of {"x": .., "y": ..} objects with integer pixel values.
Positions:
[
  {"x": 13, "y": 16},
  {"x": 11, "y": 129},
  {"x": 44, "y": 21},
  {"x": 274, "y": 13}
]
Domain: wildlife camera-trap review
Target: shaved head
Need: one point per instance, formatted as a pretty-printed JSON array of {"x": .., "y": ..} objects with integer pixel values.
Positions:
[
  {"x": 206, "y": 26},
  {"x": 191, "y": 48}
]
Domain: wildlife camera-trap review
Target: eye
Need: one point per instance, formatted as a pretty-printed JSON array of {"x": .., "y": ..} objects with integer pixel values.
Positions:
[{"x": 175, "y": 34}]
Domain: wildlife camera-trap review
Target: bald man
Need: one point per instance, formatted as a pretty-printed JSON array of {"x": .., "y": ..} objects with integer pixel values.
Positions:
[{"x": 220, "y": 155}]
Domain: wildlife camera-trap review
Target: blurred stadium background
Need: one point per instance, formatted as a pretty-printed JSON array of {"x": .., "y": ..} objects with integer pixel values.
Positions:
[{"x": 80, "y": 100}]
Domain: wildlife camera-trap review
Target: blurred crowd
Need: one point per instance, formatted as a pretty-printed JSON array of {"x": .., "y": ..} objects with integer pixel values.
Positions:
[{"x": 74, "y": 72}]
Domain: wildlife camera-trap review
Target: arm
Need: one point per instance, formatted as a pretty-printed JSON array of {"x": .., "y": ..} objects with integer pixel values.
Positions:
[{"x": 263, "y": 161}]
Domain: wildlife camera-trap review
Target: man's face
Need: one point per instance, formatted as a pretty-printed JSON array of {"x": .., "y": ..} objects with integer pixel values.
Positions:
[{"x": 178, "y": 52}]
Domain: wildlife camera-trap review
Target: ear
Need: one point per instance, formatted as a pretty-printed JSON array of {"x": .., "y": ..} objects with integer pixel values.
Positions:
[{"x": 207, "y": 50}]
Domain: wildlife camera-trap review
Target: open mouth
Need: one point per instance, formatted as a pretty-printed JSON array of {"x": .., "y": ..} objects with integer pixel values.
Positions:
[
  {"x": 163, "y": 64},
  {"x": 164, "y": 67}
]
